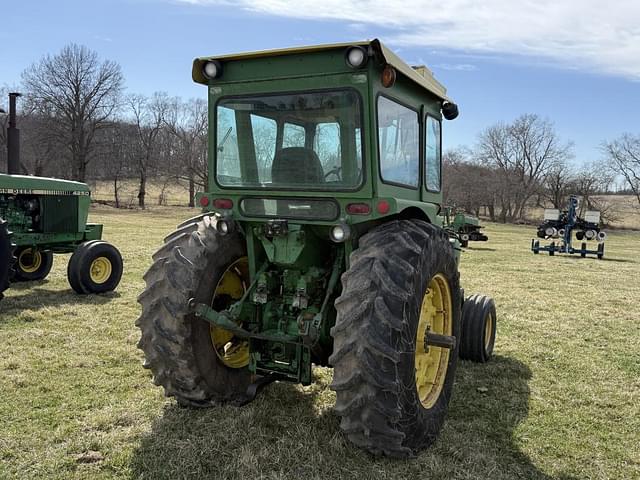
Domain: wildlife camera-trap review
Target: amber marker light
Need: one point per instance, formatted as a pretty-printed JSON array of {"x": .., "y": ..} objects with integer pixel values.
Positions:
[{"x": 388, "y": 76}]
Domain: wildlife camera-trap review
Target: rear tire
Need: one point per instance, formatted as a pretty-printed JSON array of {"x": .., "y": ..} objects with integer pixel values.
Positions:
[
  {"x": 178, "y": 347},
  {"x": 376, "y": 345},
  {"x": 32, "y": 265},
  {"x": 478, "y": 329},
  {"x": 6, "y": 256}
]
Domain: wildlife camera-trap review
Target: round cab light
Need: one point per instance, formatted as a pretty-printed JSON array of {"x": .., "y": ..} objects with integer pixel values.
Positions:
[
  {"x": 383, "y": 207},
  {"x": 212, "y": 69},
  {"x": 340, "y": 233},
  {"x": 388, "y": 76},
  {"x": 204, "y": 201},
  {"x": 590, "y": 234},
  {"x": 356, "y": 57}
]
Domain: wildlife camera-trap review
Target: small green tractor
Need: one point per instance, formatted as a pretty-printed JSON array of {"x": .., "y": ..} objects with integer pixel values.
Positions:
[
  {"x": 40, "y": 217},
  {"x": 321, "y": 242},
  {"x": 465, "y": 227}
]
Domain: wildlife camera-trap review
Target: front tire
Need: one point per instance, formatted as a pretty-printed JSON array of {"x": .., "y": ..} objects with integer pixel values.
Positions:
[
  {"x": 179, "y": 348},
  {"x": 6, "y": 256},
  {"x": 32, "y": 264},
  {"x": 392, "y": 393},
  {"x": 95, "y": 267}
]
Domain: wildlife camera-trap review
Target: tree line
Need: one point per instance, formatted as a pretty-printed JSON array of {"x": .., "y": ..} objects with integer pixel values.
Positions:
[
  {"x": 524, "y": 164},
  {"x": 78, "y": 123}
]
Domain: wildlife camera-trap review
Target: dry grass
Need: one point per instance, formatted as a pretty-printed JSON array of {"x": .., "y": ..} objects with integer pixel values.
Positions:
[
  {"x": 562, "y": 398},
  {"x": 159, "y": 191}
]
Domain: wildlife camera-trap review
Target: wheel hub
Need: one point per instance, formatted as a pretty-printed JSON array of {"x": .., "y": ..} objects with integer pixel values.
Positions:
[
  {"x": 431, "y": 362},
  {"x": 100, "y": 270},
  {"x": 30, "y": 260},
  {"x": 231, "y": 350}
]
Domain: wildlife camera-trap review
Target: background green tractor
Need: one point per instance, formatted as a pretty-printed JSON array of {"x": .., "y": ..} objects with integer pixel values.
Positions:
[
  {"x": 465, "y": 227},
  {"x": 321, "y": 243},
  {"x": 47, "y": 216}
]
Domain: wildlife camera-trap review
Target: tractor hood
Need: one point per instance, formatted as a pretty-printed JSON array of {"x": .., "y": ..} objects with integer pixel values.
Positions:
[{"x": 26, "y": 185}]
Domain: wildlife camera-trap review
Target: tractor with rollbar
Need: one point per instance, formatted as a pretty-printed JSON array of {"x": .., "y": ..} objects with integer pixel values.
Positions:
[
  {"x": 561, "y": 227},
  {"x": 321, "y": 242},
  {"x": 40, "y": 217}
]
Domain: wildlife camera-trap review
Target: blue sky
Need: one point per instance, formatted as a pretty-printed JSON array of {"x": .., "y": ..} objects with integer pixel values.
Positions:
[{"x": 572, "y": 61}]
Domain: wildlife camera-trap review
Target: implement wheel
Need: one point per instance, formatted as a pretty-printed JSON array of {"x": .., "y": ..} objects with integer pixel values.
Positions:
[
  {"x": 478, "y": 329},
  {"x": 95, "y": 267},
  {"x": 196, "y": 363},
  {"x": 392, "y": 390},
  {"x": 6, "y": 257},
  {"x": 32, "y": 264}
]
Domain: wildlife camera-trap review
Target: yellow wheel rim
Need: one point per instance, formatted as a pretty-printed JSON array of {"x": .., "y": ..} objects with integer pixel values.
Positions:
[
  {"x": 488, "y": 328},
  {"x": 30, "y": 260},
  {"x": 100, "y": 270},
  {"x": 431, "y": 364},
  {"x": 231, "y": 350}
]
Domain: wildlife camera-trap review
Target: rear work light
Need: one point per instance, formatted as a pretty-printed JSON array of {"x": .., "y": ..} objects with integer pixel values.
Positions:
[{"x": 212, "y": 69}]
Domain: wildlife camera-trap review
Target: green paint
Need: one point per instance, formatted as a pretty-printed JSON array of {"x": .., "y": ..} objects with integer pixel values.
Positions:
[
  {"x": 47, "y": 213},
  {"x": 293, "y": 142}
]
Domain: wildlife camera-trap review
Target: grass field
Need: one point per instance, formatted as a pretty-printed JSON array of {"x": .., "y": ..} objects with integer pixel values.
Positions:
[{"x": 560, "y": 400}]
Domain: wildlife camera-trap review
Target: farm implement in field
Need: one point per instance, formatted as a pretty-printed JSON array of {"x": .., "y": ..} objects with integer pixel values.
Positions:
[
  {"x": 40, "y": 217},
  {"x": 466, "y": 228},
  {"x": 320, "y": 243},
  {"x": 560, "y": 227}
]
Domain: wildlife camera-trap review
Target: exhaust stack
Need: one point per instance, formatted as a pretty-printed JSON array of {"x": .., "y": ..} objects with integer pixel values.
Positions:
[{"x": 13, "y": 138}]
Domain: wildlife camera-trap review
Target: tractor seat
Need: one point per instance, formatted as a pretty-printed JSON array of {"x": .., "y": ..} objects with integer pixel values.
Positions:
[{"x": 296, "y": 165}]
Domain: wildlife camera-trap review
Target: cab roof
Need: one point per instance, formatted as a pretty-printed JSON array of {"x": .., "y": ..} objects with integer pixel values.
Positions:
[{"x": 421, "y": 76}]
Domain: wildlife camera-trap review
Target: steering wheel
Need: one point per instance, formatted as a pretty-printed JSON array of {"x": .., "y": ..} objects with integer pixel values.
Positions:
[{"x": 334, "y": 171}]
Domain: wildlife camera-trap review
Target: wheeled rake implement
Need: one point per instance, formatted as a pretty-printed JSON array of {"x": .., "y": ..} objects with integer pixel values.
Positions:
[{"x": 560, "y": 227}]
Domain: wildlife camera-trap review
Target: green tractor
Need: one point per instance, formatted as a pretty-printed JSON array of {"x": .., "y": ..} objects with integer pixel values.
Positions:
[
  {"x": 40, "y": 217},
  {"x": 465, "y": 227},
  {"x": 320, "y": 243}
]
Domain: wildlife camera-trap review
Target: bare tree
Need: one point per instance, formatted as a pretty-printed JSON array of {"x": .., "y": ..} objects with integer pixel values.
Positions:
[
  {"x": 148, "y": 118},
  {"x": 80, "y": 92},
  {"x": 557, "y": 184},
  {"x": 187, "y": 122},
  {"x": 624, "y": 158},
  {"x": 522, "y": 153},
  {"x": 468, "y": 184}
]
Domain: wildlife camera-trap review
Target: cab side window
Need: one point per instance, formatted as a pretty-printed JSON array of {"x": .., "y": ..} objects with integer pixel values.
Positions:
[
  {"x": 398, "y": 143},
  {"x": 432, "y": 154}
]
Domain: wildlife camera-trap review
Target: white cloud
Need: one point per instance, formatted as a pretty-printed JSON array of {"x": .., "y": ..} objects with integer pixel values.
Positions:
[
  {"x": 593, "y": 35},
  {"x": 460, "y": 67}
]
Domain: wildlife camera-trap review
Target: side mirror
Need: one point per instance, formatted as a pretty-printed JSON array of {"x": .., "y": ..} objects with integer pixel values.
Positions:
[{"x": 450, "y": 110}]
